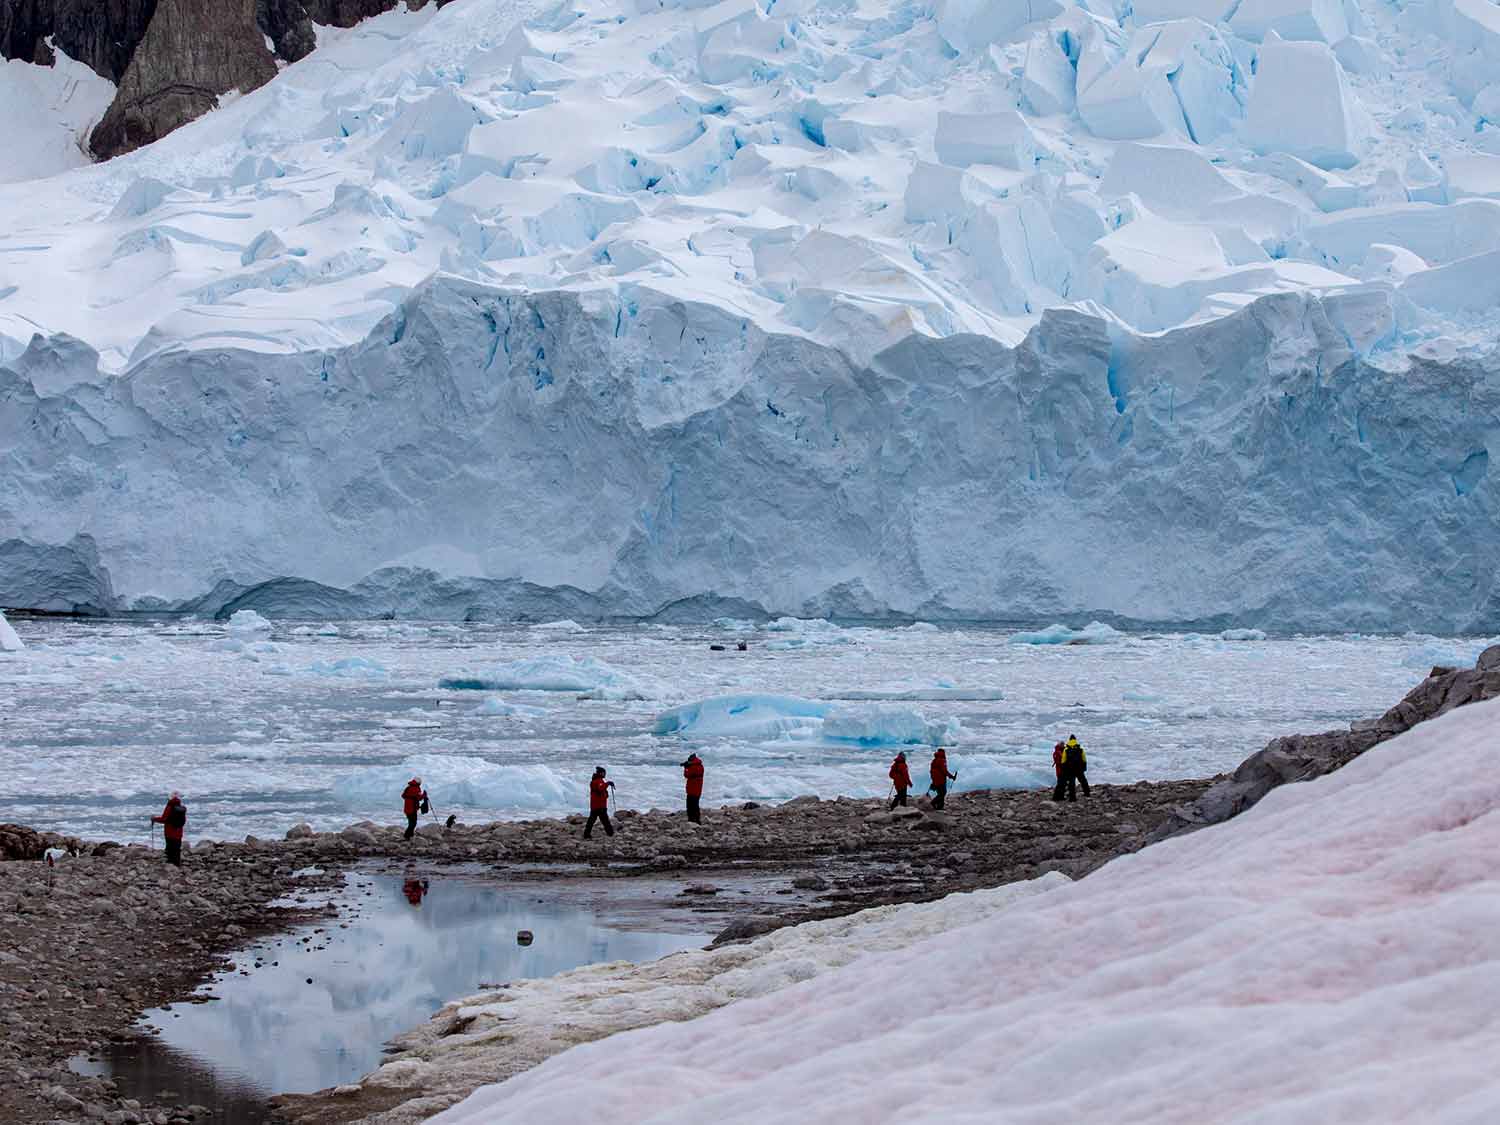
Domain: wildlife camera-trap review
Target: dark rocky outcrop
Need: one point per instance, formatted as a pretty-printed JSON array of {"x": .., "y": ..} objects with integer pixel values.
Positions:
[
  {"x": 103, "y": 34},
  {"x": 1301, "y": 757},
  {"x": 194, "y": 51},
  {"x": 172, "y": 59}
]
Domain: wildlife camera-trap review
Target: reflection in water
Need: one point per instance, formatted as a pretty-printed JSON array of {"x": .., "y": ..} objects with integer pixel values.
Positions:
[{"x": 325, "y": 999}]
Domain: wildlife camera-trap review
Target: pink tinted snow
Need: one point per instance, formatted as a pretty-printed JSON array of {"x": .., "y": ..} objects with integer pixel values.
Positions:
[{"x": 1328, "y": 956}]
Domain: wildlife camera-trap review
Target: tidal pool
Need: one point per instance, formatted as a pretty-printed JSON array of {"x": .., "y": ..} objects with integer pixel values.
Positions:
[{"x": 314, "y": 1007}]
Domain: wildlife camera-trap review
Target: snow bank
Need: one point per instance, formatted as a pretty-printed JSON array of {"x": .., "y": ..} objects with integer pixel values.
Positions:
[
  {"x": 771, "y": 717},
  {"x": 454, "y": 779},
  {"x": 1324, "y": 956},
  {"x": 583, "y": 675},
  {"x": 1094, "y": 633},
  {"x": 9, "y": 642},
  {"x": 506, "y": 1030}
]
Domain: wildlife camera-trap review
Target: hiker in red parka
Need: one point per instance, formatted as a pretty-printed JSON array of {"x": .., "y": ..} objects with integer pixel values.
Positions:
[
  {"x": 940, "y": 777},
  {"x": 901, "y": 779},
  {"x": 599, "y": 804},
  {"x": 1057, "y": 760},
  {"x": 413, "y": 799},
  {"x": 173, "y": 820},
  {"x": 692, "y": 772}
]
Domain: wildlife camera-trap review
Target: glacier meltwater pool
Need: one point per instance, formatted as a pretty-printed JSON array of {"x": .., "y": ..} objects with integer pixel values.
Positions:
[{"x": 315, "y": 1007}]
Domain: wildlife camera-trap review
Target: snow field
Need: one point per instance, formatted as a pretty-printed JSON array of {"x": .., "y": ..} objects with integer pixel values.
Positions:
[{"x": 1325, "y": 956}]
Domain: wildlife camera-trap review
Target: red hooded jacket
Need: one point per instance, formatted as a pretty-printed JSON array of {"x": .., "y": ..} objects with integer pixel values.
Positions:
[
  {"x": 169, "y": 830},
  {"x": 693, "y": 772},
  {"x": 940, "y": 770},
  {"x": 411, "y": 798},
  {"x": 598, "y": 795},
  {"x": 1057, "y": 757},
  {"x": 900, "y": 774}
]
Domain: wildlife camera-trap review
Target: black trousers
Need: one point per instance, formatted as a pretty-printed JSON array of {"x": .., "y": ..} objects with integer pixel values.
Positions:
[
  {"x": 693, "y": 814},
  {"x": 898, "y": 799},
  {"x": 174, "y": 851},
  {"x": 939, "y": 794},
  {"x": 602, "y": 816},
  {"x": 411, "y": 824},
  {"x": 1068, "y": 784}
]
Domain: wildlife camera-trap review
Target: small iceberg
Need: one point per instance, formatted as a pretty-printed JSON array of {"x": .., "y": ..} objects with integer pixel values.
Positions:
[{"x": 1094, "y": 633}]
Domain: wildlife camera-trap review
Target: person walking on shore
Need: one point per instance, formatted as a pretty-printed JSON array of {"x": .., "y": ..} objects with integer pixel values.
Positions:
[
  {"x": 1073, "y": 767},
  {"x": 692, "y": 773},
  {"x": 413, "y": 801},
  {"x": 173, "y": 821},
  {"x": 940, "y": 777},
  {"x": 599, "y": 804},
  {"x": 900, "y": 779}
]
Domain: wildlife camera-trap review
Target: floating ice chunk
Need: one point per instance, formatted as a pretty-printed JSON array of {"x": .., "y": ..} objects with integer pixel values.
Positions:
[
  {"x": 1094, "y": 633},
  {"x": 9, "y": 642},
  {"x": 743, "y": 716},
  {"x": 987, "y": 771},
  {"x": 565, "y": 625},
  {"x": 591, "y": 678},
  {"x": 807, "y": 626},
  {"x": 238, "y": 752},
  {"x": 1001, "y": 138},
  {"x": 1300, "y": 103},
  {"x": 888, "y": 726},
  {"x": 350, "y": 668},
  {"x": 1242, "y": 635},
  {"x": 970, "y": 24},
  {"x": 509, "y": 710},
  {"x": 1319, "y": 20},
  {"x": 944, "y": 694},
  {"x": 461, "y": 780},
  {"x": 246, "y": 623}
]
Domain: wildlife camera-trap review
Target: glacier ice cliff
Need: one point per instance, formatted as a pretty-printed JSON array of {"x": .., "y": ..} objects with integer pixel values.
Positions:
[{"x": 488, "y": 452}]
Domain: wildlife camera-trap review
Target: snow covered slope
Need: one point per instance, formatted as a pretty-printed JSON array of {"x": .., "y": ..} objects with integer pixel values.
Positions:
[
  {"x": 1328, "y": 956},
  {"x": 749, "y": 300}
]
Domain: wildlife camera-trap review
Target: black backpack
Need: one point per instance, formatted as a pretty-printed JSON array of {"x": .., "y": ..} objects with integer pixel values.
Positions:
[{"x": 177, "y": 818}]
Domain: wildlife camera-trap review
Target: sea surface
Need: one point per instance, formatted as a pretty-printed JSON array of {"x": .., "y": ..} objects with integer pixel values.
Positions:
[{"x": 263, "y": 726}]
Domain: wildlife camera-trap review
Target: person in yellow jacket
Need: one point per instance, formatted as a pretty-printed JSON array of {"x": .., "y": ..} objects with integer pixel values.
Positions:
[{"x": 1072, "y": 768}]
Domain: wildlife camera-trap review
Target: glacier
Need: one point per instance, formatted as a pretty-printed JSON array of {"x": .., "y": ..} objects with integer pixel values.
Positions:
[{"x": 1046, "y": 312}]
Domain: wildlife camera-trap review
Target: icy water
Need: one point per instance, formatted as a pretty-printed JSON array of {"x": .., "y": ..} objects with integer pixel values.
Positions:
[
  {"x": 324, "y": 723},
  {"x": 314, "y": 1008}
]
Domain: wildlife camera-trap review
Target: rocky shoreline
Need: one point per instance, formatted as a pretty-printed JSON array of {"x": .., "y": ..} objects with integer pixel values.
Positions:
[{"x": 98, "y": 939}]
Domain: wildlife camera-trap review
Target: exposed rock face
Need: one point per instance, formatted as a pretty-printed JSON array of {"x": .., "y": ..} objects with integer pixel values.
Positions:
[
  {"x": 194, "y": 51},
  {"x": 101, "y": 33},
  {"x": 173, "y": 68},
  {"x": 1301, "y": 757},
  {"x": 17, "y": 842}
]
